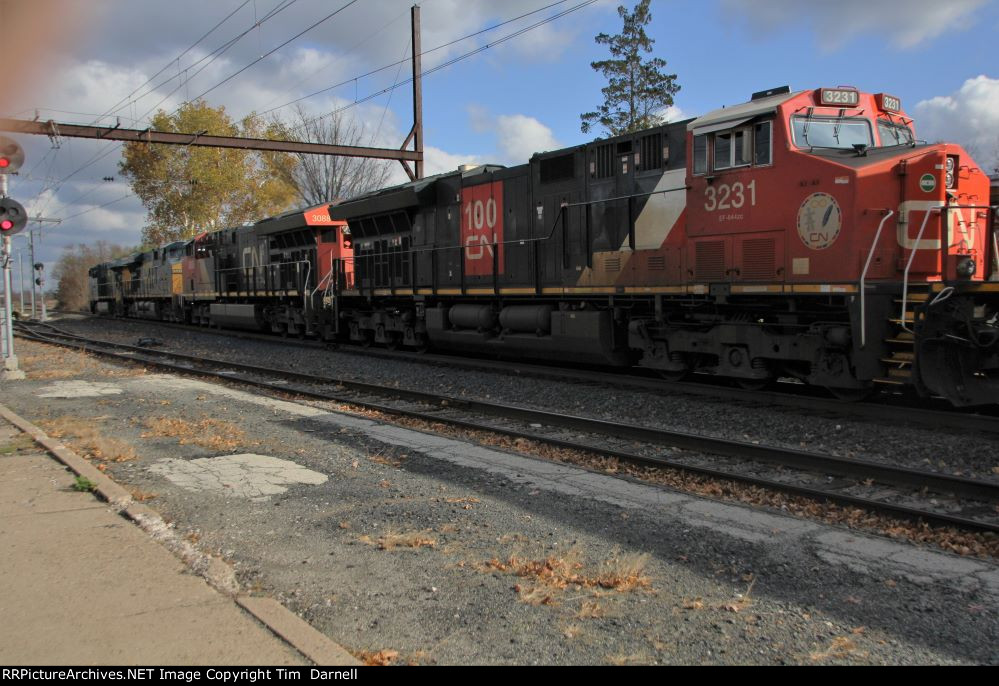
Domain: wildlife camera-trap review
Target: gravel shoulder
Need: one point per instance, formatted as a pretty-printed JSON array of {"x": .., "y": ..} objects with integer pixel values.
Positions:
[
  {"x": 950, "y": 451},
  {"x": 406, "y": 547}
]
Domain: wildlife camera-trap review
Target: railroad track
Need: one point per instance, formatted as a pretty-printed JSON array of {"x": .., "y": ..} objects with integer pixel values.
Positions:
[
  {"x": 888, "y": 408},
  {"x": 915, "y": 495}
]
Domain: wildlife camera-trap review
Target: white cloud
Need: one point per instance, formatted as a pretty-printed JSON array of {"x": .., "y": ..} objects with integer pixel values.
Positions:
[
  {"x": 969, "y": 116},
  {"x": 437, "y": 161},
  {"x": 907, "y": 23},
  {"x": 132, "y": 41},
  {"x": 675, "y": 113},
  {"x": 517, "y": 136},
  {"x": 521, "y": 136}
]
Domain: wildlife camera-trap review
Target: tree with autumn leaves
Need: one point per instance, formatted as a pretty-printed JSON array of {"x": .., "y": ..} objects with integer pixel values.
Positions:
[
  {"x": 638, "y": 92},
  {"x": 188, "y": 189}
]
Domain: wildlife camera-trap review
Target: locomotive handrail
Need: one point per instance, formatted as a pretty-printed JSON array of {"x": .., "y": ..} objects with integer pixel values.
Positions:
[
  {"x": 912, "y": 257},
  {"x": 268, "y": 271},
  {"x": 434, "y": 250},
  {"x": 863, "y": 278},
  {"x": 536, "y": 239},
  {"x": 328, "y": 279}
]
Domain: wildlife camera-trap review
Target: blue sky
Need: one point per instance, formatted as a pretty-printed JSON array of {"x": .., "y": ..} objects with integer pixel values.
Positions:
[{"x": 498, "y": 106}]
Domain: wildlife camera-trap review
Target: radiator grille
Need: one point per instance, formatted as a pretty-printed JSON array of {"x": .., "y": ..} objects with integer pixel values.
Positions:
[
  {"x": 612, "y": 264},
  {"x": 710, "y": 260},
  {"x": 758, "y": 259},
  {"x": 657, "y": 262}
]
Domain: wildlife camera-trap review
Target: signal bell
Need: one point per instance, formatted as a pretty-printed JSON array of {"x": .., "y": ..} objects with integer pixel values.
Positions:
[
  {"x": 13, "y": 218},
  {"x": 11, "y": 155}
]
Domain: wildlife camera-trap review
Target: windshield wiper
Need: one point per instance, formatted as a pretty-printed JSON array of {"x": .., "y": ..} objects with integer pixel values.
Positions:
[
  {"x": 804, "y": 129},
  {"x": 839, "y": 122}
]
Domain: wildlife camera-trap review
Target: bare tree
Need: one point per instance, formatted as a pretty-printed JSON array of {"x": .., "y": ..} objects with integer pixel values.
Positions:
[
  {"x": 321, "y": 179},
  {"x": 71, "y": 271}
]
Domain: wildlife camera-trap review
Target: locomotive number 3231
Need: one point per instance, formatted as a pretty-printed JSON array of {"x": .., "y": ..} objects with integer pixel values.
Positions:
[{"x": 726, "y": 197}]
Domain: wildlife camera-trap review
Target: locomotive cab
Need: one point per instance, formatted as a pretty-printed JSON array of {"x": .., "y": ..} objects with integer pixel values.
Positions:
[{"x": 828, "y": 192}]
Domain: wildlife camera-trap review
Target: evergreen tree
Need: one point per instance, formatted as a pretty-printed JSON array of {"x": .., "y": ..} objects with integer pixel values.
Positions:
[{"x": 637, "y": 92}]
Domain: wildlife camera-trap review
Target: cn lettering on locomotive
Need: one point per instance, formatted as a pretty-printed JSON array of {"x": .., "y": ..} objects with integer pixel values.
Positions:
[
  {"x": 807, "y": 235},
  {"x": 482, "y": 228}
]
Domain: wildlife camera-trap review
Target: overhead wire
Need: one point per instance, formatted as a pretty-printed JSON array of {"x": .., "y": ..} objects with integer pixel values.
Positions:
[
  {"x": 449, "y": 63},
  {"x": 211, "y": 57},
  {"x": 176, "y": 59},
  {"x": 101, "y": 154},
  {"x": 272, "y": 51},
  {"x": 389, "y": 89},
  {"x": 422, "y": 54}
]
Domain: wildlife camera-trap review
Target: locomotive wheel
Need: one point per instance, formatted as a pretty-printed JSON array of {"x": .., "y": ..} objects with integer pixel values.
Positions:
[
  {"x": 673, "y": 376},
  {"x": 851, "y": 395},
  {"x": 392, "y": 342}
]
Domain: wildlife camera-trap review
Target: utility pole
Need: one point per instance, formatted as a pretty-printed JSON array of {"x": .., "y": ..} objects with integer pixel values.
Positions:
[
  {"x": 38, "y": 282},
  {"x": 417, "y": 91},
  {"x": 20, "y": 278},
  {"x": 10, "y": 371},
  {"x": 403, "y": 155}
]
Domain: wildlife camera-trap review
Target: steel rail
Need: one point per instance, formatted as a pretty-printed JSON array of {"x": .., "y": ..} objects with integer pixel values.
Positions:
[
  {"x": 812, "y": 461},
  {"x": 674, "y": 439},
  {"x": 793, "y": 395}
]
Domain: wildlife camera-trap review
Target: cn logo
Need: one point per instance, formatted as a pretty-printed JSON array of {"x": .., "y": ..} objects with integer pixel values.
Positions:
[
  {"x": 482, "y": 228},
  {"x": 479, "y": 247}
]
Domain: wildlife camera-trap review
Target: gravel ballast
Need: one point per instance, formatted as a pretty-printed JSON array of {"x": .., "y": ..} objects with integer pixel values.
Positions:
[
  {"x": 408, "y": 550},
  {"x": 950, "y": 451}
]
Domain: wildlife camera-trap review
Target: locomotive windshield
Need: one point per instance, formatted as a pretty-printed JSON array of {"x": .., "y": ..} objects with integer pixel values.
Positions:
[
  {"x": 893, "y": 133},
  {"x": 831, "y": 132}
]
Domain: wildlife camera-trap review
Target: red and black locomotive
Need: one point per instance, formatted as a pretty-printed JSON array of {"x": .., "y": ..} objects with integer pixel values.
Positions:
[{"x": 803, "y": 234}]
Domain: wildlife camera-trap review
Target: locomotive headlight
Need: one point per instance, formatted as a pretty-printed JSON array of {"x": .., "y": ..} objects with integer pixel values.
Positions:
[
  {"x": 966, "y": 267},
  {"x": 951, "y": 167}
]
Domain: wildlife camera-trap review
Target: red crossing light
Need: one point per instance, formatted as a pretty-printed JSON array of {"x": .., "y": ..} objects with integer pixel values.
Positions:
[
  {"x": 11, "y": 155},
  {"x": 13, "y": 218}
]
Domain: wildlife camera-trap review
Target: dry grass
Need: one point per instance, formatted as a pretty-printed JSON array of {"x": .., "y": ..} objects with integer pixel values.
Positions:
[
  {"x": 382, "y": 658},
  {"x": 948, "y": 538},
  {"x": 391, "y": 540},
  {"x": 85, "y": 438},
  {"x": 389, "y": 459},
  {"x": 742, "y": 600},
  {"x": 49, "y": 362},
  {"x": 624, "y": 572},
  {"x": 591, "y": 609},
  {"x": 693, "y": 604},
  {"x": 554, "y": 573},
  {"x": 140, "y": 495},
  {"x": 207, "y": 432},
  {"x": 841, "y": 648},
  {"x": 621, "y": 660}
]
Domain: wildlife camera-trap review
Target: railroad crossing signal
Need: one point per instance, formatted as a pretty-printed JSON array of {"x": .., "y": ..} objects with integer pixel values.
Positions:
[
  {"x": 13, "y": 218},
  {"x": 11, "y": 155}
]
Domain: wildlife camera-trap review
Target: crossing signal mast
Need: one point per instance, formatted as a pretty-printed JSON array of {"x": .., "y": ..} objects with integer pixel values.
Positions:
[{"x": 13, "y": 219}]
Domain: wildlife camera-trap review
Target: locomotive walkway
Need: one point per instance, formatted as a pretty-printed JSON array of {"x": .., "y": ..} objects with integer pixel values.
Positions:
[{"x": 84, "y": 586}]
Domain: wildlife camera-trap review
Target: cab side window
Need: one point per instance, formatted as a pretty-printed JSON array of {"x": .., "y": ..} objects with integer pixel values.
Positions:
[
  {"x": 741, "y": 146},
  {"x": 763, "y": 142},
  {"x": 700, "y": 154}
]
